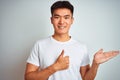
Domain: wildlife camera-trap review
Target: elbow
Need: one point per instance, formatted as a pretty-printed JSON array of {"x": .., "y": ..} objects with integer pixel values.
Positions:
[
  {"x": 25, "y": 77},
  {"x": 86, "y": 78}
]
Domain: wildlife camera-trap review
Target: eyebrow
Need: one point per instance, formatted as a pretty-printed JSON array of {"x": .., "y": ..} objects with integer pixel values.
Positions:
[{"x": 59, "y": 15}]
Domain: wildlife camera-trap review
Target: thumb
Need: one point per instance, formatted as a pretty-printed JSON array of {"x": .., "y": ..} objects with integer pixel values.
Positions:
[
  {"x": 62, "y": 53},
  {"x": 100, "y": 51}
]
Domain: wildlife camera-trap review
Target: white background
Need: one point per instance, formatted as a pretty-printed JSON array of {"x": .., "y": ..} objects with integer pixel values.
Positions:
[{"x": 23, "y": 22}]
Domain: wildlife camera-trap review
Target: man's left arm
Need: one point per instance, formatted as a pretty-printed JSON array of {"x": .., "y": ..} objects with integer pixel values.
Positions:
[{"x": 89, "y": 73}]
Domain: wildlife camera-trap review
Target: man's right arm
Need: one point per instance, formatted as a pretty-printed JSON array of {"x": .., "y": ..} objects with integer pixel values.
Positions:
[
  {"x": 32, "y": 72},
  {"x": 35, "y": 73}
]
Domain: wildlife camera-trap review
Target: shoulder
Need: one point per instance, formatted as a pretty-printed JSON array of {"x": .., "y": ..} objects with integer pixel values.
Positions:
[
  {"x": 79, "y": 43},
  {"x": 42, "y": 41}
]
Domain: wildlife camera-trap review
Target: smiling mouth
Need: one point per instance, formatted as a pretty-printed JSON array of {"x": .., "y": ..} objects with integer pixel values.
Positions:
[{"x": 61, "y": 27}]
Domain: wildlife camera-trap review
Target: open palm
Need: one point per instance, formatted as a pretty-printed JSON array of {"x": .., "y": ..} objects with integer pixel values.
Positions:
[{"x": 101, "y": 57}]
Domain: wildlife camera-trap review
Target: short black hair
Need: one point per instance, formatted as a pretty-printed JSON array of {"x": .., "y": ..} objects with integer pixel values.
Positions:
[{"x": 62, "y": 4}]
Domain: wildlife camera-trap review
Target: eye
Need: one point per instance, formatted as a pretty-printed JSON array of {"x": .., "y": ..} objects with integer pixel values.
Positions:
[
  {"x": 67, "y": 17},
  {"x": 56, "y": 17}
]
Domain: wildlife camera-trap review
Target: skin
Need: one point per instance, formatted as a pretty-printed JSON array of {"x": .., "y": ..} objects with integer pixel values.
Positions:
[{"x": 62, "y": 20}]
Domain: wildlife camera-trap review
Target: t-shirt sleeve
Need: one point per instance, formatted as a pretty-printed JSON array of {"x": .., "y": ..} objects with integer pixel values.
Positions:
[
  {"x": 86, "y": 59},
  {"x": 34, "y": 56}
]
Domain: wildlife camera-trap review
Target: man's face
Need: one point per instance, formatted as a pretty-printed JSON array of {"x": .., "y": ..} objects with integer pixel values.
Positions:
[{"x": 62, "y": 20}]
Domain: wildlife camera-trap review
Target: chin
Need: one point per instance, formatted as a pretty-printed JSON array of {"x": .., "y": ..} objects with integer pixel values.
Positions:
[{"x": 62, "y": 33}]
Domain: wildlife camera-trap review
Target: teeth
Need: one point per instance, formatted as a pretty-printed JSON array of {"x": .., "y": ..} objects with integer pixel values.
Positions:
[{"x": 61, "y": 27}]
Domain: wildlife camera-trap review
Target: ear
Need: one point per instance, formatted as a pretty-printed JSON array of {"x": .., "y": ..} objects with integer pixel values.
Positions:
[
  {"x": 72, "y": 20},
  {"x": 51, "y": 20}
]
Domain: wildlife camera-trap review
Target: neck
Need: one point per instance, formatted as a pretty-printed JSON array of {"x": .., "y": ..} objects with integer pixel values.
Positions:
[{"x": 61, "y": 38}]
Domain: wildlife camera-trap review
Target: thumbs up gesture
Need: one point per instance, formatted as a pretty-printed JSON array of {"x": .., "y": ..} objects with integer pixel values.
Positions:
[{"x": 62, "y": 62}]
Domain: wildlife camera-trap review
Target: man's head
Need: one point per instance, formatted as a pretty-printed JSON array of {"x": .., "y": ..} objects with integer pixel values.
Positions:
[
  {"x": 62, "y": 4},
  {"x": 62, "y": 17}
]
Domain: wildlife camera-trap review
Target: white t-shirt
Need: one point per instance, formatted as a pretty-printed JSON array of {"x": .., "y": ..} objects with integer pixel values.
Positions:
[{"x": 46, "y": 51}]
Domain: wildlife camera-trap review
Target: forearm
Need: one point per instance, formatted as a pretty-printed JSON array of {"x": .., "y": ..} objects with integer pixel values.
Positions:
[
  {"x": 40, "y": 75},
  {"x": 91, "y": 73}
]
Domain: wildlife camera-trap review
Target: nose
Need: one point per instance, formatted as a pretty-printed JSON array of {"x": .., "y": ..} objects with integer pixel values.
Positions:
[{"x": 61, "y": 21}]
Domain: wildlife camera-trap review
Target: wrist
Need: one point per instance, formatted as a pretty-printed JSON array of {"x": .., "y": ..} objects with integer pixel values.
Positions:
[
  {"x": 95, "y": 63},
  {"x": 55, "y": 68}
]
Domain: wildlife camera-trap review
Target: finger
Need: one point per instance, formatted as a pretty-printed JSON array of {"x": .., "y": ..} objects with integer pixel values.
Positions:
[
  {"x": 114, "y": 53},
  {"x": 62, "y": 53},
  {"x": 100, "y": 51},
  {"x": 111, "y": 54},
  {"x": 66, "y": 59}
]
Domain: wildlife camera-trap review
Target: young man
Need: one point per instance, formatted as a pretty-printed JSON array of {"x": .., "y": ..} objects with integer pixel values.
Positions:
[{"x": 59, "y": 57}]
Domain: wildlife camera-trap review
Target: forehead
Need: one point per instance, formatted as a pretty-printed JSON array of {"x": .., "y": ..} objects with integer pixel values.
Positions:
[{"x": 62, "y": 12}]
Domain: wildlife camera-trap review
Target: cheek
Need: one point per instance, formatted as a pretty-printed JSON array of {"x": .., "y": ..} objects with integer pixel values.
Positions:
[
  {"x": 54, "y": 22},
  {"x": 69, "y": 22}
]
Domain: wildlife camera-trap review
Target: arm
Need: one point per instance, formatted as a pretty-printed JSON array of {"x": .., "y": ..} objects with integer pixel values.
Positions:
[
  {"x": 89, "y": 73},
  {"x": 34, "y": 73}
]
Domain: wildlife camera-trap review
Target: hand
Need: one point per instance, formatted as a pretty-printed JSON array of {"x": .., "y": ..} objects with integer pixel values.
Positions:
[
  {"x": 62, "y": 62},
  {"x": 101, "y": 57}
]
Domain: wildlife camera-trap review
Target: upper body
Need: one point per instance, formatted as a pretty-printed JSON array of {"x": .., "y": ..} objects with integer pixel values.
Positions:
[
  {"x": 51, "y": 60},
  {"x": 46, "y": 51}
]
